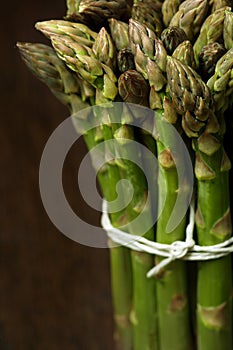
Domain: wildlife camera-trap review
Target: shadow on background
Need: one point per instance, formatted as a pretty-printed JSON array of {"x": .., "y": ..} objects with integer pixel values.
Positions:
[{"x": 54, "y": 293}]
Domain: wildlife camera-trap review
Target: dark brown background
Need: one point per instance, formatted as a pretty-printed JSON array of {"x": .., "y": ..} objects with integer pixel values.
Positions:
[{"x": 54, "y": 293}]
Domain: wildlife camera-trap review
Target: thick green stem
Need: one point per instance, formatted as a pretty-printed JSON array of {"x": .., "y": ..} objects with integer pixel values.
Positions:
[
  {"x": 121, "y": 270},
  {"x": 121, "y": 282},
  {"x": 214, "y": 311},
  {"x": 172, "y": 291},
  {"x": 214, "y": 289},
  {"x": 192, "y": 295},
  {"x": 148, "y": 160},
  {"x": 120, "y": 260},
  {"x": 144, "y": 315}
]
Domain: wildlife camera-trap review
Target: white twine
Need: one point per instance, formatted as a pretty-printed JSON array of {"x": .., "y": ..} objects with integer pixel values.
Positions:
[{"x": 178, "y": 250}]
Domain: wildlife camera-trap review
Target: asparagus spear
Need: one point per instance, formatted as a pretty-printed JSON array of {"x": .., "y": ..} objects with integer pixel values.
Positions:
[
  {"x": 47, "y": 67},
  {"x": 104, "y": 49},
  {"x": 173, "y": 310},
  {"x": 220, "y": 84},
  {"x": 190, "y": 17},
  {"x": 95, "y": 14},
  {"x": 223, "y": 92},
  {"x": 149, "y": 13},
  {"x": 211, "y": 31},
  {"x": 213, "y": 221},
  {"x": 217, "y": 4},
  {"x": 69, "y": 89},
  {"x": 172, "y": 37},
  {"x": 121, "y": 266},
  {"x": 143, "y": 314},
  {"x": 81, "y": 59},
  {"x": 76, "y": 31},
  {"x": 169, "y": 9},
  {"x": 119, "y": 33},
  {"x": 84, "y": 4},
  {"x": 228, "y": 30},
  {"x": 120, "y": 36},
  {"x": 149, "y": 54},
  {"x": 134, "y": 89},
  {"x": 72, "y": 7},
  {"x": 209, "y": 56},
  {"x": 184, "y": 52},
  {"x": 108, "y": 6},
  {"x": 125, "y": 60}
]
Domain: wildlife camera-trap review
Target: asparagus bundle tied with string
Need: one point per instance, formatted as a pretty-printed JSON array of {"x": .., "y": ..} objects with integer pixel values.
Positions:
[{"x": 175, "y": 59}]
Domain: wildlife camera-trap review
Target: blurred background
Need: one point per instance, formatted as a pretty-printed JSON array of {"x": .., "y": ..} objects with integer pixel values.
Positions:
[{"x": 54, "y": 293}]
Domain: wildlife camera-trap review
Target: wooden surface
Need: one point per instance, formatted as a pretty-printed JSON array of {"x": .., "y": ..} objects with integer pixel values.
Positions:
[{"x": 54, "y": 293}]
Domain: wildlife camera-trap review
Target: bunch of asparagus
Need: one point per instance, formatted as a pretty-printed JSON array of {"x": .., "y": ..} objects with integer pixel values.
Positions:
[{"x": 176, "y": 58}]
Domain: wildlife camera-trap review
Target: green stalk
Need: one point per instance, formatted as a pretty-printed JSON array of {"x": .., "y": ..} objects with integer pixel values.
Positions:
[
  {"x": 121, "y": 269},
  {"x": 121, "y": 295},
  {"x": 172, "y": 291},
  {"x": 192, "y": 296},
  {"x": 173, "y": 310},
  {"x": 213, "y": 222},
  {"x": 214, "y": 288},
  {"x": 143, "y": 316},
  {"x": 143, "y": 312},
  {"x": 134, "y": 89},
  {"x": 120, "y": 260}
]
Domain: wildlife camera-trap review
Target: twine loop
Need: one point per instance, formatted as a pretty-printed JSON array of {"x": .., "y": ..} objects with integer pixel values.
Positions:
[{"x": 179, "y": 249}]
